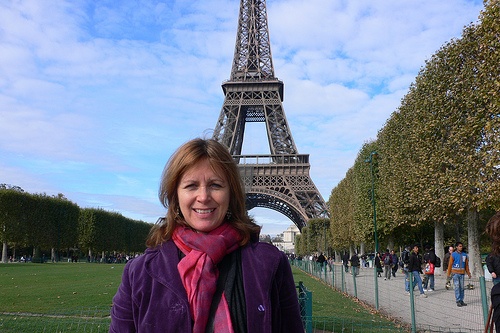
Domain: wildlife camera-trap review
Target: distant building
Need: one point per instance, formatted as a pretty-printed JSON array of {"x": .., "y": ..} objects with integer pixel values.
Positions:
[
  {"x": 287, "y": 241},
  {"x": 265, "y": 239}
]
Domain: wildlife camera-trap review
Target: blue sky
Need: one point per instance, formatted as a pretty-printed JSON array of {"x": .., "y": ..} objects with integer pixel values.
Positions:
[{"x": 96, "y": 95}]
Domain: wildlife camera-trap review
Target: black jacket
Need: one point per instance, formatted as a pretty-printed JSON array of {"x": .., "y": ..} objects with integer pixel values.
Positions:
[
  {"x": 493, "y": 264},
  {"x": 495, "y": 302},
  {"x": 354, "y": 261},
  {"x": 415, "y": 263}
]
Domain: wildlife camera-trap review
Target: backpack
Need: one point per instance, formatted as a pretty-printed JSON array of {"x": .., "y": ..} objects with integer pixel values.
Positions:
[
  {"x": 438, "y": 262},
  {"x": 405, "y": 258},
  {"x": 387, "y": 259}
]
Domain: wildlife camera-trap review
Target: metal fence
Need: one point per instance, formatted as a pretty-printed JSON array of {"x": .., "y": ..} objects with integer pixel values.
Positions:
[
  {"x": 305, "y": 304},
  {"x": 438, "y": 312}
]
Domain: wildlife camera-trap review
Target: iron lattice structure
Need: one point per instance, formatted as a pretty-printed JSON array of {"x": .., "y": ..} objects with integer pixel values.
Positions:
[{"x": 280, "y": 180}]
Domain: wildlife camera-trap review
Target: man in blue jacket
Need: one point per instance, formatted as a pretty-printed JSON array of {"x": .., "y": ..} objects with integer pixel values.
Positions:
[{"x": 457, "y": 268}]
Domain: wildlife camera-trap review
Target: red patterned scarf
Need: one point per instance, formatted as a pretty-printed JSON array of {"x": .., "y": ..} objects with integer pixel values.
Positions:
[{"x": 199, "y": 273}]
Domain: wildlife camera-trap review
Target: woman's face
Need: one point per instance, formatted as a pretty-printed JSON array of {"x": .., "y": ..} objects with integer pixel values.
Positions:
[{"x": 203, "y": 197}]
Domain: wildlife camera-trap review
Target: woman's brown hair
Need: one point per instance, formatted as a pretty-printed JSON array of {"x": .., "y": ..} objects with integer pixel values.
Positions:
[{"x": 187, "y": 156}]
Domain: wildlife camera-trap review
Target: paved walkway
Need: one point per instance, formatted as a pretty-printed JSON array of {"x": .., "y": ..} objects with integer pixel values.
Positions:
[{"x": 436, "y": 313}]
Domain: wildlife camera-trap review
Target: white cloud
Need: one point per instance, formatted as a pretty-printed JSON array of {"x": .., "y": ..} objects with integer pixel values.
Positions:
[{"x": 94, "y": 96}]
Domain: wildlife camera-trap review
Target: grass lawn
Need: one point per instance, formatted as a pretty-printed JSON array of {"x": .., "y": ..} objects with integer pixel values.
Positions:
[
  {"x": 62, "y": 297},
  {"x": 57, "y": 288},
  {"x": 76, "y": 297}
]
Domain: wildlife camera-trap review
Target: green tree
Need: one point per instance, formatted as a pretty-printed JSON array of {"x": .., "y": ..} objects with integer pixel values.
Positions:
[
  {"x": 12, "y": 216},
  {"x": 438, "y": 154}
]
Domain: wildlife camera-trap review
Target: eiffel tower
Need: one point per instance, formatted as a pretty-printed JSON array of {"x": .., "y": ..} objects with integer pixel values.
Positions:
[{"x": 280, "y": 180}]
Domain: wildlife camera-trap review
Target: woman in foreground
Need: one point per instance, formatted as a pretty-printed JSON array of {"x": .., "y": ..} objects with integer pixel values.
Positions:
[{"x": 204, "y": 269}]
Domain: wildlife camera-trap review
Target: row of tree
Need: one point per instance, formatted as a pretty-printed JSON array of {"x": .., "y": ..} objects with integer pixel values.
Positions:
[
  {"x": 434, "y": 167},
  {"x": 42, "y": 222}
]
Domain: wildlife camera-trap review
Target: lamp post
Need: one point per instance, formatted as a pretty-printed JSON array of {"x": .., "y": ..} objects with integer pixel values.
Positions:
[
  {"x": 374, "y": 154},
  {"x": 326, "y": 229}
]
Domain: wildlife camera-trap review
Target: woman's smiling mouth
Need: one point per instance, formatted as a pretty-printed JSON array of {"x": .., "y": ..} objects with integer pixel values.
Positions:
[{"x": 204, "y": 211}]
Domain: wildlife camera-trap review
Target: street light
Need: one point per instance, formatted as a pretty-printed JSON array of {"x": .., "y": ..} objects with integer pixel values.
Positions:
[
  {"x": 326, "y": 233},
  {"x": 370, "y": 160}
]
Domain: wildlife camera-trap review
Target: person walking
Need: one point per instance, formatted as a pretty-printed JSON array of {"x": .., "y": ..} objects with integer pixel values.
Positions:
[
  {"x": 330, "y": 261},
  {"x": 354, "y": 264},
  {"x": 404, "y": 261},
  {"x": 395, "y": 263},
  {"x": 446, "y": 260},
  {"x": 321, "y": 262},
  {"x": 364, "y": 260},
  {"x": 415, "y": 269},
  {"x": 387, "y": 260},
  {"x": 378, "y": 264},
  {"x": 430, "y": 264},
  {"x": 345, "y": 261},
  {"x": 457, "y": 268}
]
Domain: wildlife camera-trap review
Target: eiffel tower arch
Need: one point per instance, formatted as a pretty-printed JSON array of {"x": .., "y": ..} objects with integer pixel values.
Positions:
[{"x": 279, "y": 180}]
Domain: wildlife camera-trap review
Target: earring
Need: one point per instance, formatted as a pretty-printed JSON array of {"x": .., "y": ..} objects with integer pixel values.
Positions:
[
  {"x": 229, "y": 215},
  {"x": 179, "y": 213}
]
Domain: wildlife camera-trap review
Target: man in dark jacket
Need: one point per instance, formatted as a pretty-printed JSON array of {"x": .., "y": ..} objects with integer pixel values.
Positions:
[
  {"x": 321, "y": 261},
  {"x": 395, "y": 263},
  {"x": 415, "y": 269},
  {"x": 345, "y": 261},
  {"x": 446, "y": 260},
  {"x": 387, "y": 260},
  {"x": 354, "y": 264}
]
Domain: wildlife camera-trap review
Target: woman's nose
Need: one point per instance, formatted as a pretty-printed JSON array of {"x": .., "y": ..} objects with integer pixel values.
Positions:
[{"x": 203, "y": 193}]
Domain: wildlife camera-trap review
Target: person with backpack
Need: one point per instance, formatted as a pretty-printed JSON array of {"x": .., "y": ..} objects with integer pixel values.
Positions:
[
  {"x": 387, "y": 260},
  {"x": 354, "y": 264},
  {"x": 430, "y": 264},
  {"x": 403, "y": 263}
]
